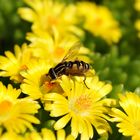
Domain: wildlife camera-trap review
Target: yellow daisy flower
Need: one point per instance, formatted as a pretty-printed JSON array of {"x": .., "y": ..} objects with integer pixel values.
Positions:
[
  {"x": 12, "y": 64},
  {"x": 11, "y": 136},
  {"x": 55, "y": 46},
  {"x": 48, "y": 14},
  {"x": 35, "y": 82},
  {"x": 128, "y": 119},
  {"x": 84, "y": 107},
  {"x": 16, "y": 114},
  {"x": 137, "y": 26},
  {"x": 47, "y": 134},
  {"x": 99, "y": 21},
  {"x": 137, "y": 5}
]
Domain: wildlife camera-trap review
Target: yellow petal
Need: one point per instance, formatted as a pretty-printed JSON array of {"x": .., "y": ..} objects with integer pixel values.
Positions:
[
  {"x": 47, "y": 134},
  {"x": 58, "y": 110},
  {"x": 70, "y": 137},
  {"x": 90, "y": 128},
  {"x": 61, "y": 134},
  {"x": 74, "y": 126},
  {"x": 30, "y": 118},
  {"x": 27, "y": 14},
  {"x": 61, "y": 123},
  {"x": 55, "y": 97}
]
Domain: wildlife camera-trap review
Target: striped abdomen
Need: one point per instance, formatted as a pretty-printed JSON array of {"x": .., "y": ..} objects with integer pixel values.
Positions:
[{"x": 75, "y": 68}]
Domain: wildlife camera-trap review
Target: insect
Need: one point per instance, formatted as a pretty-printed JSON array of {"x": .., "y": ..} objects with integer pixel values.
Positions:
[{"x": 70, "y": 68}]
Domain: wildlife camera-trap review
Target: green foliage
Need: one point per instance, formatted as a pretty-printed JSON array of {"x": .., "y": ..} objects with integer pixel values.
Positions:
[{"x": 12, "y": 28}]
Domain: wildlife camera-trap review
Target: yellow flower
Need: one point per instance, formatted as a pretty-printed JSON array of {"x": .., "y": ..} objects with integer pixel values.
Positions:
[
  {"x": 128, "y": 119},
  {"x": 35, "y": 83},
  {"x": 137, "y": 5},
  {"x": 46, "y": 15},
  {"x": 16, "y": 114},
  {"x": 12, "y": 64},
  {"x": 99, "y": 21},
  {"x": 55, "y": 46},
  {"x": 84, "y": 107},
  {"x": 137, "y": 26},
  {"x": 47, "y": 134},
  {"x": 11, "y": 136}
]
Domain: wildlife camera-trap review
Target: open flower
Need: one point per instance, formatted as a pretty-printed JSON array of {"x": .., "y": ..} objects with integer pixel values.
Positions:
[
  {"x": 11, "y": 136},
  {"x": 55, "y": 46},
  {"x": 137, "y": 26},
  {"x": 137, "y": 5},
  {"x": 12, "y": 64},
  {"x": 35, "y": 83},
  {"x": 45, "y": 134},
  {"x": 48, "y": 135},
  {"x": 46, "y": 15},
  {"x": 84, "y": 107},
  {"x": 128, "y": 119},
  {"x": 16, "y": 114},
  {"x": 99, "y": 21}
]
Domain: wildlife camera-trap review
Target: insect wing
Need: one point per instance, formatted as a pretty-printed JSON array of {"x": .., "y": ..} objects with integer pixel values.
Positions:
[{"x": 73, "y": 51}]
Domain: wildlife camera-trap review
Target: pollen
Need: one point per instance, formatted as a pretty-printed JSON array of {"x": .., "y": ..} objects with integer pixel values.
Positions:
[
  {"x": 99, "y": 21},
  {"x": 47, "y": 86},
  {"x": 52, "y": 20},
  {"x": 23, "y": 67},
  {"x": 5, "y": 107},
  {"x": 59, "y": 52},
  {"x": 82, "y": 104}
]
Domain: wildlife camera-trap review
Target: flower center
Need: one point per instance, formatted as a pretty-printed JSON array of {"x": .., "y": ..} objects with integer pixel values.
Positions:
[
  {"x": 5, "y": 107},
  {"x": 23, "y": 67},
  {"x": 59, "y": 52},
  {"x": 82, "y": 104},
  {"x": 98, "y": 21},
  {"x": 48, "y": 86},
  {"x": 52, "y": 20}
]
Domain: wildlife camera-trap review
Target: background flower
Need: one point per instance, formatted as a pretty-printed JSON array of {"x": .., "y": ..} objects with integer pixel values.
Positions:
[
  {"x": 55, "y": 46},
  {"x": 11, "y": 136},
  {"x": 12, "y": 64},
  {"x": 128, "y": 120},
  {"x": 49, "y": 135},
  {"x": 16, "y": 114},
  {"x": 51, "y": 14},
  {"x": 34, "y": 78},
  {"x": 99, "y": 21}
]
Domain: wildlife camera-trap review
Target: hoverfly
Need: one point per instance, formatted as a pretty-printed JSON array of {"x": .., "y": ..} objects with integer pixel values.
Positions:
[{"x": 70, "y": 68}]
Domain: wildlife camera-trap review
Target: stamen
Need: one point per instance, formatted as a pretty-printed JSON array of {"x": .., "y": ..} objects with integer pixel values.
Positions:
[
  {"x": 59, "y": 52},
  {"x": 81, "y": 105},
  {"x": 5, "y": 107}
]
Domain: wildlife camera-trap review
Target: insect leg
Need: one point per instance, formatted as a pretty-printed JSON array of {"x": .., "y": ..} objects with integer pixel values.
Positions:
[{"x": 85, "y": 82}]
